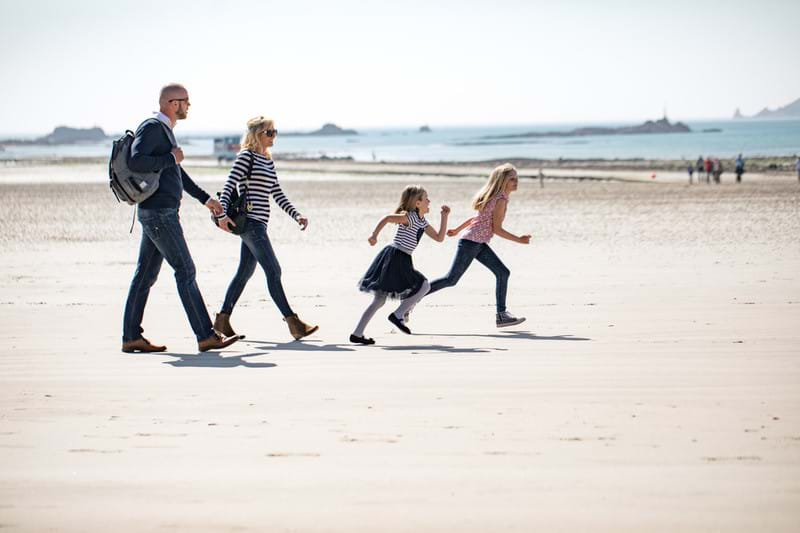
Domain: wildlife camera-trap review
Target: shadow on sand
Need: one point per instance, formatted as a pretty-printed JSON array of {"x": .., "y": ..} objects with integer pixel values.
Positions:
[
  {"x": 307, "y": 345},
  {"x": 213, "y": 360},
  {"x": 522, "y": 335},
  {"x": 419, "y": 348}
]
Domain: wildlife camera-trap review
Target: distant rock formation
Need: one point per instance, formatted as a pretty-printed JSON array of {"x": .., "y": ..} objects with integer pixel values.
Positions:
[
  {"x": 67, "y": 135},
  {"x": 425, "y": 129},
  {"x": 62, "y": 135},
  {"x": 791, "y": 110},
  {"x": 328, "y": 129},
  {"x": 651, "y": 126}
]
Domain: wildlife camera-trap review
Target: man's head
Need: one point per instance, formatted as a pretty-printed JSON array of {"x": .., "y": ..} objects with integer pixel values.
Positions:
[{"x": 174, "y": 101}]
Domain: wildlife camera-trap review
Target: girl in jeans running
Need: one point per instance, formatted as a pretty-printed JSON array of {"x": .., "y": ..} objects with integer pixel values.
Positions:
[{"x": 491, "y": 203}]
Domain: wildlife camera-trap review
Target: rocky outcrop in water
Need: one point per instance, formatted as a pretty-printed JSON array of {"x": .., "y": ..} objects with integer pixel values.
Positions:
[
  {"x": 651, "y": 126},
  {"x": 327, "y": 129}
]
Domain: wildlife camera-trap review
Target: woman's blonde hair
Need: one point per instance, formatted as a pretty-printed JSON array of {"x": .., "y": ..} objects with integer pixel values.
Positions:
[
  {"x": 254, "y": 127},
  {"x": 408, "y": 200},
  {"x": 494, "y": 186}
]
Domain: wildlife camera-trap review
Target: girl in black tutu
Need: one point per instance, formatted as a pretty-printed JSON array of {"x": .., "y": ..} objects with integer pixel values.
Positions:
[{"x": 392, "y": 274}]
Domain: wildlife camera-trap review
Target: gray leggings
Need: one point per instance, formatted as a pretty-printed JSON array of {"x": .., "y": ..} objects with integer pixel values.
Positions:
[{"x": 378, "y": 300}]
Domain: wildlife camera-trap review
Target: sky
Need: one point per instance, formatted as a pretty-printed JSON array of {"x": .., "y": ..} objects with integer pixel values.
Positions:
[{"x": 376, "y": 64}]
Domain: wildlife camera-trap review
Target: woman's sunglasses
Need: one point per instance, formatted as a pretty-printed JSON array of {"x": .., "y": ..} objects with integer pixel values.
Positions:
[{"x": 270, "y": 133}]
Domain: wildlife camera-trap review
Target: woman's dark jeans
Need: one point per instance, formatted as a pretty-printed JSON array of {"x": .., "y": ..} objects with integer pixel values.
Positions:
[
  {"x": 162, "y": 238},
  {"x": 256, "y": 248},
  {"x": 467, "y": 251}
]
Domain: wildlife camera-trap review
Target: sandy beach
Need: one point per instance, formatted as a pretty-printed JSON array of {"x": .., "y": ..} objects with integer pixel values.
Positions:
[{"x": 654, "y": 386}]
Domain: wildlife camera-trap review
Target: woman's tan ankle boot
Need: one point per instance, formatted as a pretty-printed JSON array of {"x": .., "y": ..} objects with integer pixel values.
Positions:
[
  {"x": 222, "y": 323},
  {"x": 298, "y": 328}
]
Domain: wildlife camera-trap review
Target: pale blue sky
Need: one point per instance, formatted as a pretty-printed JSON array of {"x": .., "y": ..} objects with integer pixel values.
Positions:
[{"x": 375, "y": 64}]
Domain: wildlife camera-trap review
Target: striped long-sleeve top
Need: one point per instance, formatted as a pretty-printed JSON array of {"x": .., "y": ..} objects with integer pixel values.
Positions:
[
  {"x": 407, "y": 237},
  {"x": 262, "y": 183}
]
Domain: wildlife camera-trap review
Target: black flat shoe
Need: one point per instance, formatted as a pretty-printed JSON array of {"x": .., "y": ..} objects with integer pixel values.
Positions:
[
  {"x": 361, "y": 340},
  {"x": 399, "y": 323}
]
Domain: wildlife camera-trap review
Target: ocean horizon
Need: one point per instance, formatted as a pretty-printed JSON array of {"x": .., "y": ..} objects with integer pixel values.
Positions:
[{"x": 726, "y": 138}]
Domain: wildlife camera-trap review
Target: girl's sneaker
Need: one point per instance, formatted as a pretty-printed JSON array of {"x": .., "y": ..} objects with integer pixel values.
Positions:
[{"x": 506, "y": 319}]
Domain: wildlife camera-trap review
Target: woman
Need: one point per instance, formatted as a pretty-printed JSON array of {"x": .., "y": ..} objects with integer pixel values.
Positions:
[{"x": 256, "y": 248}]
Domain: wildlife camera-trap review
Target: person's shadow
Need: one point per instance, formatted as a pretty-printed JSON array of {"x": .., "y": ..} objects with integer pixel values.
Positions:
[
  {"x": 214, "y": 360},
  {"x": 307, "y": 345},
  {"x": 521, "y": 335},
  {"x": 419, "y": 348}
]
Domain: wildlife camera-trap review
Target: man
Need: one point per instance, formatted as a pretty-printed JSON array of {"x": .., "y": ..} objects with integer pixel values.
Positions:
[
  {"x": 739, "y": 168},
  {"x": 797, "y": 168},
  {"x": 155, "y": 149}
]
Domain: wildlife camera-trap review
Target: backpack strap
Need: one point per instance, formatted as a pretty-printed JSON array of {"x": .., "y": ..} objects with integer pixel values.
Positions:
[
  {"x": 247, "y": 177},
  {"x": 167, "y": 131}
]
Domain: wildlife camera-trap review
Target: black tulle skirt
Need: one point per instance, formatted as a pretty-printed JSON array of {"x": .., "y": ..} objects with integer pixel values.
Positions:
[{"x": 392, "y": 274}]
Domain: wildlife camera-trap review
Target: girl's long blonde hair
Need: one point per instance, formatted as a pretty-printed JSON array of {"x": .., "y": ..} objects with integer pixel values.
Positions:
[
  {"x": 254, "y": 127},
  {"x": 494, "y": 186},
  {"x": 408, "y": 200}
]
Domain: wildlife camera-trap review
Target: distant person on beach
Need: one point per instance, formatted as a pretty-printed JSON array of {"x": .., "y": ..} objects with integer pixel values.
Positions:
[
  {"x": 155, "y": 149},
  {"x": 797, "y": 168},
  {"x": 256, "y": 247},
  {"x": 699, "y": 166},
  {"x": 392, "y": 274},
  {"x": 690, "y": 170},
  {"x": 739, "y": 168},
  {"x": 716, "y": 166},
  {"x": 708, "y": 166},
  {"x": 491, "y": 202}
]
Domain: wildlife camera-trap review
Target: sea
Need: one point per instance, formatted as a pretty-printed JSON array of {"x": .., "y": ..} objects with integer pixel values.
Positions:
[{"x": 726, "y": 138}]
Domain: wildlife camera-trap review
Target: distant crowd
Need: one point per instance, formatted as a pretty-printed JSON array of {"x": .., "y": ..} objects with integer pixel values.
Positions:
[{"x": 713, "y": 169}]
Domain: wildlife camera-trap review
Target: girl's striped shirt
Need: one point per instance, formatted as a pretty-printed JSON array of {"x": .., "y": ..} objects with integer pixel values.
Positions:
[
  {"x": 407, "y": 237},
  {"x": 263, "y": 182}
]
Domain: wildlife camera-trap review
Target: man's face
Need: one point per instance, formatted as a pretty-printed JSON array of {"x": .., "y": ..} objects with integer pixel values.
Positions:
[{"x": 181, "y": 101}]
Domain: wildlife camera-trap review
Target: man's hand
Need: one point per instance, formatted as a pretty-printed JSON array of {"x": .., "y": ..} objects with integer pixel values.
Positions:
[
  {"x": 372, "y": 240},
  {"x": 525, "y": 239},
  {"x": 178, "y": 153},
  {"x": 445, "y": 210},
  {"x": 214, "y": 206},
  {"x": 223, "y": 224},
  {"x": 303, "y": 221}
]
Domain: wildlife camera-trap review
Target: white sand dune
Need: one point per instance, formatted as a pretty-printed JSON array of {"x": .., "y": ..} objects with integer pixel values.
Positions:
[{"x": 654, "y": 386}]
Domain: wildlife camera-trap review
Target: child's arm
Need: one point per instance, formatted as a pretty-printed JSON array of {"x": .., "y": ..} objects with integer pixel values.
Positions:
[
  {"x": 455, "y": 231},
  {"x": 497, "y": 224},
  {"x": 438, "y": 236},
  {"x": 394, "y": 219}
]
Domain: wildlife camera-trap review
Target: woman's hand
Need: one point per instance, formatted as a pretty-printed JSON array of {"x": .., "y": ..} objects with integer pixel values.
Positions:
[
  {"x": 452, "y": 232},
  {"x": 223, "y": 224},
  {"x": 303, "y": 221},
  {"x": 445, "y": 210},
  {"x": 372, "y": 240},
  {"x": 525, "y": 239}
]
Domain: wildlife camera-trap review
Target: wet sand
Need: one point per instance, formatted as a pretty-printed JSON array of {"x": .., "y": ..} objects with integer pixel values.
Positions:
[{"x": 654, "y": 386}]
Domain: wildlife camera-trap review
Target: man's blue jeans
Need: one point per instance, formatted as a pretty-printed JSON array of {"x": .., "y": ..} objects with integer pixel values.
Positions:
[
  {"x": 162, "y": 238},
  {"x": 256, "y": 248},
  {"x": 466, "y": 253}
]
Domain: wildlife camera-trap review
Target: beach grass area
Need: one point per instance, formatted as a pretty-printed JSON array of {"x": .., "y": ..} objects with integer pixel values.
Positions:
[{"x": 653, "y": 387}]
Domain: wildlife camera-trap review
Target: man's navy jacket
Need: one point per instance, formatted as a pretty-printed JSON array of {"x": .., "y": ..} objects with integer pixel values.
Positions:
[{"x": 151, "y": 151}]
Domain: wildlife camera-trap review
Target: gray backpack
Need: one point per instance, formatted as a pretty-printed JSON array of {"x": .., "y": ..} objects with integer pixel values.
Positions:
[{"x": 129, "y": 186}]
